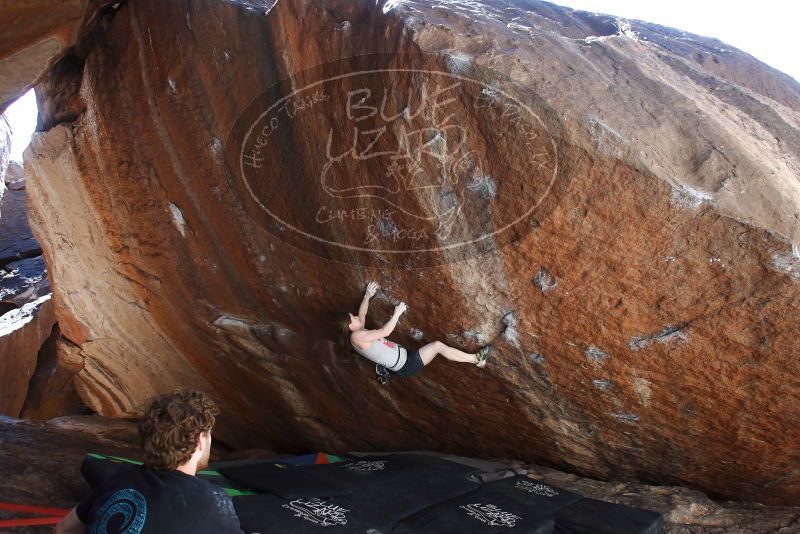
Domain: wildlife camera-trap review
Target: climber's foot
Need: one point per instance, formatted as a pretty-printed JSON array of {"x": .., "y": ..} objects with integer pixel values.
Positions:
[{"x": 483, "y": 356}]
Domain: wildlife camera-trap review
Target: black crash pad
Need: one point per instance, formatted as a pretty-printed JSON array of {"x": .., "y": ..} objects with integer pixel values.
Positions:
[
  {"x": 373, "y": 492},
  {"x": 590, "y": 516},
  {"x": 485, "y": 510},
  {"x": 517, "y": 504},
  {"x": 420, "y": 475},
  {"x": 291, "y": 482},
  {"x": 542, "y": 497},
  {"x": 404, "y": 494},
  {"x": 265, "y": 512}
]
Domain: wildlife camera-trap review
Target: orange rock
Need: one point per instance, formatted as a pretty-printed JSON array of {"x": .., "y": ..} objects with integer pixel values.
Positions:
[
  {"x": 51, "y": 389},
  {"x": 22, "y": 332}
]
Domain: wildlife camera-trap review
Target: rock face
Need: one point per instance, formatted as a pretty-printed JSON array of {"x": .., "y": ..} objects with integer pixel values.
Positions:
[
  {"x": 611, "y": 203},
  {"x": 51, "y": 389}
]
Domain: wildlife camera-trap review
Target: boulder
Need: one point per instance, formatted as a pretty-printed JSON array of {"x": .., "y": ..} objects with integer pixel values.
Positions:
[
  {"x": 611, "y": 203},
  {"x": 14, "y": 178},
  {"x": 22, "y": 332},
  {"x": 41, "y": 461}
]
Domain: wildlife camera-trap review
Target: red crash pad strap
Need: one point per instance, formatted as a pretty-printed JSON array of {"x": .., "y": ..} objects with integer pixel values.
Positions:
[
  {"x": 29, "y": 522},
  {"x": 58, "y": 514},
  {"x": 14, "y": 507}
]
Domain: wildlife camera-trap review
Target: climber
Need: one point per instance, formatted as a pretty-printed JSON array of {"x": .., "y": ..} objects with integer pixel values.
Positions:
[
  {"x": 162, "y": 495},
  {"x": 392, "y": 357}
]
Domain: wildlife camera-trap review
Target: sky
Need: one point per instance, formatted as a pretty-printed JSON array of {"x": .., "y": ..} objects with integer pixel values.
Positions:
[
  {"x": 763, "y": 29},
  {"x": 22, "y": 118}
]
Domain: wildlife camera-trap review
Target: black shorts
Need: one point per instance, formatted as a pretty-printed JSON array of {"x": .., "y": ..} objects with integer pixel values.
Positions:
[{"x": 413, "y": 365}]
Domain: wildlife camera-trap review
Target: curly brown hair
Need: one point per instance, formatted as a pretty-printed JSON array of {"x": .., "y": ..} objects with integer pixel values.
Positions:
[{"x": 169, "y": 428}]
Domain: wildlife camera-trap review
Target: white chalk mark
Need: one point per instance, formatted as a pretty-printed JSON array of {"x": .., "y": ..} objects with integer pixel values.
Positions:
[{"x": 177, "y": 218}]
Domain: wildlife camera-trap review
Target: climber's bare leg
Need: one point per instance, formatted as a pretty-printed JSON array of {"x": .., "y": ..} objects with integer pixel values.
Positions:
[{"x": 428, "y": 353}]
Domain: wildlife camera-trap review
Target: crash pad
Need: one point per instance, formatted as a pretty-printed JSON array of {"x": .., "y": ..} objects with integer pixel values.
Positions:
[
  {"x": 590, "y": 516},
  {"x": 404, "y": 493},
  {"x": 401, "y": 476}
]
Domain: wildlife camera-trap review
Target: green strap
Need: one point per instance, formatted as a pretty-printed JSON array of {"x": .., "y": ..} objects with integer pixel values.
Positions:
[
  {"x": 238, "y": 493},
  {"x": 118, "y": 458},
  {"x": 128, "y": 460}
]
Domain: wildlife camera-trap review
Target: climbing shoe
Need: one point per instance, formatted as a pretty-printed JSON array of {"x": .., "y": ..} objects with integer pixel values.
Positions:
[
  {"x": 483, "y": 356},
  {"x": 383, "y": 374}
]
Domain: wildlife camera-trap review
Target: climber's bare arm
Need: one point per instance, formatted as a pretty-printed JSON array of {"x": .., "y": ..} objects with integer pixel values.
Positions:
[
  {"x": 365, "y": 337},
  {"x": 70, "y": 525},
  {"x": 372, "y": 287},
  {"x": 388, "y": 328}
]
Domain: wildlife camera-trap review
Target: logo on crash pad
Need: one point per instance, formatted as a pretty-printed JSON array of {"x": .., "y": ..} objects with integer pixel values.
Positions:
[
  {"x": 539, "y": 489},
  {"x": 491, "y": 515},
  {"x": 395, "y": 160},
  {"x": 318, "y": 512},
  {"x": 366, "y": 466}
]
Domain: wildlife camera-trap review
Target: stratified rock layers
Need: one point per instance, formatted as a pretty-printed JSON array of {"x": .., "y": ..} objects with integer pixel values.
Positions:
[{"x": 644, "y": 316}]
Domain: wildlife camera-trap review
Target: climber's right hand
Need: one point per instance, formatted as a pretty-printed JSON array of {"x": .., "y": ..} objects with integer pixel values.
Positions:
[{"x": 372, "y": 287}]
